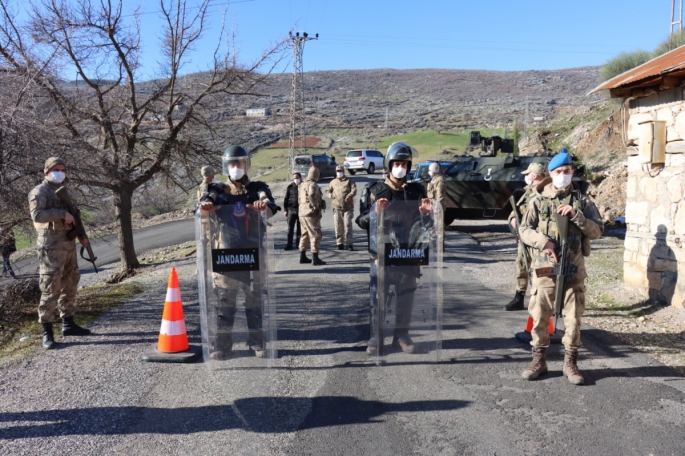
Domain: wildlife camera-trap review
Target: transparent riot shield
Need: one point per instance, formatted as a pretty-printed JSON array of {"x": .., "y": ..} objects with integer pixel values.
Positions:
[
  {"x": 406, "y": 241},
  {"x": 234, "y": 265}
]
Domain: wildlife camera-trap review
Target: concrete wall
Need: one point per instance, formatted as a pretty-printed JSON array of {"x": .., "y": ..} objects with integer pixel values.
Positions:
[{"x": 655, "y": 208}]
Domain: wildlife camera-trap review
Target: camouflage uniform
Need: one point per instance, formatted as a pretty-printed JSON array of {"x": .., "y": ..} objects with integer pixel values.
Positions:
[
  {"x": 538, "y": 227},
  {"x": 436, "y": 189},
  {"x": 521, "y": 270},
  {"x": 338, "y": 190},
  {"x": 59, "y": 274},
  {"x": 310, "y": 206}
]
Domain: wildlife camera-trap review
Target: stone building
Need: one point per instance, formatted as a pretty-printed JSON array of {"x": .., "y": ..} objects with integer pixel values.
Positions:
[
  {"x": 259, "y": 112},
  {"x": 654, "y": 121}
]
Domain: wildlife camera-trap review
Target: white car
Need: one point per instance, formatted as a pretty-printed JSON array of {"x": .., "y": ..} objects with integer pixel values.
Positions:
[{"x": 368, "y": 160}]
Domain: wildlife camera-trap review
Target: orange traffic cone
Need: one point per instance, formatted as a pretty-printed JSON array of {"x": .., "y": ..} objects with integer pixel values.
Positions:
[
  {"x": 526, "y": 335},
  {"x": 172, "y": 345},
  {"x": 172, "y": 335}
]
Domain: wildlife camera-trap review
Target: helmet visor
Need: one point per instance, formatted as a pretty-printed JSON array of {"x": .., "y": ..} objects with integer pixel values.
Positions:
[{"x": 234, "y": 162}]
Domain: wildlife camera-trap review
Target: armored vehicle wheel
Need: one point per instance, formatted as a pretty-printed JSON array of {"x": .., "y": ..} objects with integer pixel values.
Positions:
[
  {"x": 371, "y": 169},
  {"x": 351, "y": 171}
]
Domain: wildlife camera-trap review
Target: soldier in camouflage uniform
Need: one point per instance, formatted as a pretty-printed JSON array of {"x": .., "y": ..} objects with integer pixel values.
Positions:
[
  {"x": 436, "y": 186},
  {"x": 558, "y": 195},
  {"x": 59, "y": 274},
  {"x": 342, "y": 191},
  {"x": 534, "y": 175},
  {"x": 207, "y": 178},
  {"x": 311, "y": 204}
]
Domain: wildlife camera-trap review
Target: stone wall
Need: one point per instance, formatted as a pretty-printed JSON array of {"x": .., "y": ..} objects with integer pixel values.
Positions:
[{"x": 655, "y": 208}]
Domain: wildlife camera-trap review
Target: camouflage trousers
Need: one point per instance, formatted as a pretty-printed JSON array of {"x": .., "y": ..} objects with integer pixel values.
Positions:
[
  {"x": 342, "y": 220},
  {"x": 311, "y": 233},
  {"x": 59, "y": 277},
  {"x": 221, "y": 319},
  {"x": 521, "y": 271},
  {"x": 541, "y": 308}
]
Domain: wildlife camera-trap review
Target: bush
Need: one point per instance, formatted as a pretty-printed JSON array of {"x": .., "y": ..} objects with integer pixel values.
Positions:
[
  {"x": 18, "y": 297},
  {"x": 623, "y": 62},
  {"x": 675, "y": 40}
]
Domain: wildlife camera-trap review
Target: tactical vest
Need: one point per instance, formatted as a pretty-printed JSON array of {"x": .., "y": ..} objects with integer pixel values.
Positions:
[
  {"x": 410, "y": 192},
  {"x": 547, "y": 222},
  {"x": 249, "y": 196}
]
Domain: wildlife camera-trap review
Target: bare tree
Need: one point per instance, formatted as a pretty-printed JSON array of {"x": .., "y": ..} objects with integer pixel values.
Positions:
[{"x": 116, "y": 130}]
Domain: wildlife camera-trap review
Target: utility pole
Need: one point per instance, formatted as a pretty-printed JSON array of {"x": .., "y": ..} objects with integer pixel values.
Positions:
[
  {"x": 297, "y": 94},
  {"x": 527, "y": 114},
  {"x": 386, "y": 117},
  {"x": 676, "y": 24}
]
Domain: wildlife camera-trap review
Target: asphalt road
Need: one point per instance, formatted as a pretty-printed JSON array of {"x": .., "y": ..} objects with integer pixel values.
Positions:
[{"x": 324, "y": 395}]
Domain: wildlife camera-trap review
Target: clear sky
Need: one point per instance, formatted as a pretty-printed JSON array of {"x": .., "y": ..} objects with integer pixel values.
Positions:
[{"x": 475, "y": 34}]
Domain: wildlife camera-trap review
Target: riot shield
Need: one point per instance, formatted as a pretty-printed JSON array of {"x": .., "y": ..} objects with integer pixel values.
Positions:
[
  {"x": 234, "y": 265},
  {"x": 406, "y": 281}
]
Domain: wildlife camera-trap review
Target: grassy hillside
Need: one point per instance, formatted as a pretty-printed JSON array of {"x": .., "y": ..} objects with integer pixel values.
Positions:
[{"x": 270, "y": 164}]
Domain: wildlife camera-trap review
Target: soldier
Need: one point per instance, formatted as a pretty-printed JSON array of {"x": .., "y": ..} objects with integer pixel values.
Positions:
[
  {"x": 436, "y": 186},
  {"x": 558, "y": 195},
  {"x": 238, "y": 190},
  {"x": 398, "y": 160},
  {"x": 59, "y": 274},
  {"x": 8, "y": 246},
  {"x": 535, "y": 174},
  {"x": 342, "y": 191},
  {"x": 207, "y": 178},
  {"x": 311, "y": 205}
]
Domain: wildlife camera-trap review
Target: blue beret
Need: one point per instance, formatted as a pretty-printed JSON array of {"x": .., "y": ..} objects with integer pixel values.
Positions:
[{"x": 559, "y": 160}]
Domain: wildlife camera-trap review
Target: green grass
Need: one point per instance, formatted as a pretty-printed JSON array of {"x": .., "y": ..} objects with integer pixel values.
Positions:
[{"x": 91, "y": 302}]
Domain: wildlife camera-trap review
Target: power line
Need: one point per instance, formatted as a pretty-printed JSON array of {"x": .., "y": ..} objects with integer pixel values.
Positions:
[{"x": 297, "y": 93}]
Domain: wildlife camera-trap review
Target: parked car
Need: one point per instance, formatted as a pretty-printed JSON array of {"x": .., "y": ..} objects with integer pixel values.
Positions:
[
  {"x": 325, "y": 163},
  {"x": 421, "y": 174},
  {"x": 368, "y": 160}
]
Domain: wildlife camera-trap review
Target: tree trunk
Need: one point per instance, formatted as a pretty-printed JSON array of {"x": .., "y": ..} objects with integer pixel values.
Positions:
[{"x": 122, "y": 207}]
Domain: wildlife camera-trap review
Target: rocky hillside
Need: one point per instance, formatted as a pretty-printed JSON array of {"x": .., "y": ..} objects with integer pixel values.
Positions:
[{"x": 412, "y": 99}]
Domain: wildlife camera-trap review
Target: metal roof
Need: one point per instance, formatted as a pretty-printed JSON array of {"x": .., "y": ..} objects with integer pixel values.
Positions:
[{"x": 659, "y": 66}]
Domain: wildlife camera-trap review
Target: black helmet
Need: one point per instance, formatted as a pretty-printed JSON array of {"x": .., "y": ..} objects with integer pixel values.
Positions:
[
  {"x": 399, "y": 151},
  {"x": 235, "y": 154}
]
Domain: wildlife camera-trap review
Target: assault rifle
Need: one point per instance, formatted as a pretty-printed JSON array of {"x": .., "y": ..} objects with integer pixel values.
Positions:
[
  {"x": 564, "y": 270},
  {"x": 79, "y": 230},
  {"x": 517, "y": 232}
]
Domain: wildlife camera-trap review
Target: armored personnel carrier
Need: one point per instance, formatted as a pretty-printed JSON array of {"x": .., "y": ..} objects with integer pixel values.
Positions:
[{"x": 480, "y": 186}]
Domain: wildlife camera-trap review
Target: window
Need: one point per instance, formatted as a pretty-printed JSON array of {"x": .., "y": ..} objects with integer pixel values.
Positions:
[{"x": 354, "y": 153}]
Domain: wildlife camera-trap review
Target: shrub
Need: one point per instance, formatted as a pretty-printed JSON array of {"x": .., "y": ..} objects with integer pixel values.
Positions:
[
  {"x": 676, "y": 39},
  {"x": 623, "y": 62}
]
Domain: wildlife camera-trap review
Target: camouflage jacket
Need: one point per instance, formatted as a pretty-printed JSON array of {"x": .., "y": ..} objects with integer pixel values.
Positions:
[
  {"x": 436, "y": 189},
  {"x": 48, "y": 212},
  {"x": 338, "y": 190},
  {"x": 309, "y": 196},
  {"x": 539, "y": 226},
  {"x": 522, "y": 203}
]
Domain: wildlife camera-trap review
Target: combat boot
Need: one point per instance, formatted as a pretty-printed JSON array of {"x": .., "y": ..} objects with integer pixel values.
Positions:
[
  {"x": 341, "y": 247},
  {"x": 48, "y": 336},
  {"x": 571, "y": 367},
  {"x": 303, "y": 258},
  {"x": 350, "y": 248},
  {"x": 517, "y": 302},
  {"x": 539, "y": 365},
  {"x": 70, "y": 328},
  {"x": 403, "y": 343},
  {"x": 316, "y": 260}
]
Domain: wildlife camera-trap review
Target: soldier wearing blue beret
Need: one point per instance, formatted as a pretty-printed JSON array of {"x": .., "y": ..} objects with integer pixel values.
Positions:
[{"x": 558, "y": 195}]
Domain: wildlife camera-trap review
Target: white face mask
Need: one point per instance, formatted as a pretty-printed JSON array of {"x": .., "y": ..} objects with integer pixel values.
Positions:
[
  {"x": 431, "y": 174},
  {"x": 56, "y": 177},
  {"x": 339, "y": 174},
  {"x": 297, "y": 181},
  {"x": 236, "y": 173},
  {"x": 561, "y": 181},
  {"x": 528, "y": 180},
  {"x": 399, "y": 173}
]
